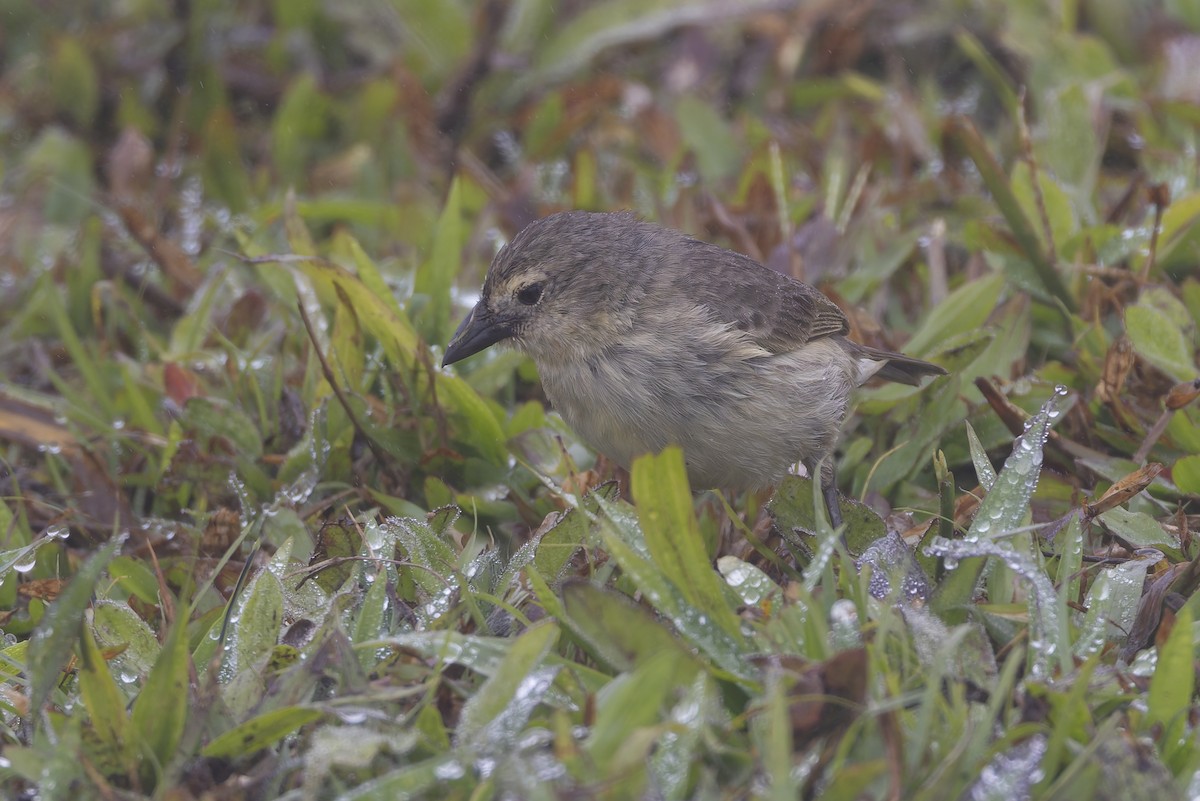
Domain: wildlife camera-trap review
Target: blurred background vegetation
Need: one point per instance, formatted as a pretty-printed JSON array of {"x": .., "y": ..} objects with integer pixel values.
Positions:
[{"x": 234, "y": 238}]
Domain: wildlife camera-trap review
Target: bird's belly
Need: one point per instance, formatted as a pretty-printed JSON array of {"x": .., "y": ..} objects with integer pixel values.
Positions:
[{"x": 741, "y": 423}]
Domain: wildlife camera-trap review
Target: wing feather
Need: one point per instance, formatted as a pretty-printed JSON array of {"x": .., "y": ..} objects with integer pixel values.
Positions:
[{"x": 777, "y": 312}]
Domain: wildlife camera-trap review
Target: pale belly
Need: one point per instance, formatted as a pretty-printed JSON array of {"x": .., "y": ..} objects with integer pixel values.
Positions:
[{"x": 741, "y": 423}]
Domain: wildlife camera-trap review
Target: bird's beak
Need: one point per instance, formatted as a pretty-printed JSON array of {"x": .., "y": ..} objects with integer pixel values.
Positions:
[{"x": 479, "y": 330}]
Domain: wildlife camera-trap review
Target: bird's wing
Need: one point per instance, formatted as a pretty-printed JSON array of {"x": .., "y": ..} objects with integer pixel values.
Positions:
[{"x": 779, "y": 313}]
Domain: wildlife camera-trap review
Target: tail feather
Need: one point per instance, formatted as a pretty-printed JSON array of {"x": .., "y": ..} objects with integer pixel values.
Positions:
[{"x": 895, "y": 366}]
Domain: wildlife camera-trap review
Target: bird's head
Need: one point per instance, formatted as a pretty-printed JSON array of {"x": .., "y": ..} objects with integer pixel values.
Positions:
[{"x": 565, "y": 284}]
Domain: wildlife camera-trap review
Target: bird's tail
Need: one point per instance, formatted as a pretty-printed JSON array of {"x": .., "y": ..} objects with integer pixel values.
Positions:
[{"x": 892, "y": 366}]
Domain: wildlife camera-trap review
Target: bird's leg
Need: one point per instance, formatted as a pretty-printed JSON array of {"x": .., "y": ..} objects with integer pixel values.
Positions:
[{"x": 829, "y": 490}]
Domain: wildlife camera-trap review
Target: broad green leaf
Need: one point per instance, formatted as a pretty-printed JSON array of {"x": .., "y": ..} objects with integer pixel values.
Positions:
[
  {"x": 256, "y": 630},
  {"x": 436, "y": 274},
  {"x": 1160, "y": 341},
  {"x": 135, "y": 578},
  {"x": 218, "y": 418},
  {"x": 368, "y": 624},
  {"x": 1178, "y": 236},
  {"x": 393, "y": 331},
  {"x": 556, "y": 546},
  {"x": 1173, "y": 683},
  {"x": 74, "y": 82},
  {"x": 104, "y": 702},
  {"x": 368, "y": 271},
  {"x": 1054, "y": 199},
  {"x": 260, "y": 732},
  {"x": 664, "y": 504},
  {"x": 1141, "y": 530},
  {"x": 1112, "y": 603},
  {"x": 1186, "y": 474},
  {"x": 118, "y": 626},
  {"x": 960, "y": 312},
  {"x": 297, "y": 128},
  {"x": 708, "y": 135},
  {"x": 526, "y": 653},
  {"x": 472, "y": 414},
  {"x": 794, "y": 509},
  {"x": 161, "y": 709},
  {"x": 615, "y": 23},
  {"x": 63, "y": 165},
  {"x": 622, "y": 539},
  {"x": 634, "y": 700},
  {"x": 619, "y": 631},
  {"x": 1067, "y": 145},
  {"x": 54, "y": 639}
]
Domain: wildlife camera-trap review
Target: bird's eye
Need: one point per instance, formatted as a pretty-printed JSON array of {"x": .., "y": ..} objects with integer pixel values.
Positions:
[{"x": 529, "y": 295}]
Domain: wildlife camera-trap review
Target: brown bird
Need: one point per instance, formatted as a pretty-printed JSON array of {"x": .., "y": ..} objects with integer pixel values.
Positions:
[{"x": 645, "y": 337}]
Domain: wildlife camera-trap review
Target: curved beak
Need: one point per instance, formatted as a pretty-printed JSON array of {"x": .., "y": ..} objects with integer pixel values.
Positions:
[{"x": 479, "y": 330}]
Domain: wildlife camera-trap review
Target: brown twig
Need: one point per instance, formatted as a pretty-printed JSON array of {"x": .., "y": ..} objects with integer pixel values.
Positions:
[
  {"x": 327, "y": 371},
  {"x": 1160, "y": 196},
  {"x": 454, "y": 103}
]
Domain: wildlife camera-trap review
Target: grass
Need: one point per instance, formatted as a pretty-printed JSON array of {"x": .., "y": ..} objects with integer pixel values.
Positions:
[{"x": 258, "y": 544}]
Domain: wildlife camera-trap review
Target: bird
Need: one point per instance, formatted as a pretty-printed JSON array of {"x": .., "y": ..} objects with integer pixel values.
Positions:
[{"x": 645, "y": 337}]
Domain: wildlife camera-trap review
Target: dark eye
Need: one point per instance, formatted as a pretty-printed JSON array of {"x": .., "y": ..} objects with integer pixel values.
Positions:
[{"x": 529, "y": 295}]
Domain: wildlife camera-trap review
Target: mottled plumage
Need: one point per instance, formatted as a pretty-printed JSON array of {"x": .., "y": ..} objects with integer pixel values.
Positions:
[{"x": 645, "y": 337}]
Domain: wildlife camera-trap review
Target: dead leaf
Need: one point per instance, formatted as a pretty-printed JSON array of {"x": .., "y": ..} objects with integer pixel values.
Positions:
[{"x": 1124, "y": 489}]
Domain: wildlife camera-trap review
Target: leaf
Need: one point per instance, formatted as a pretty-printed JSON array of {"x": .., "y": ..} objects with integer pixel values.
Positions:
[
  {"x": 298, "y": 126},
  {"x": 338, "y": 541},
  {"x": 1173, "y": 683},
  {"x": 1185, "y": 474},
  {"x": 1003, "y": 510},
  {"x": 634, "y": 701},
  {"x": 1112, "y": 603},
  {"x": 256, "y": 630},
  {"x": 616, "y": 629},
  {"x": 54, "y": 639},
  {"x": 983, "y": 465},
  {"x": 436, "y": 274},
  {"x": 621, "y": 537},
  {"x": 161, "y": 709},
  {"x": 613, "y": 23},
  {"x": 378, "y": 316},
  {"x": 473, "y": 415},
  {"x": 1006, "y": 200},
  {"x": 1157, "y": 339},
  {"x": 1178, "y": 236},
  {"x": 135, "y": 578},
  {"x": 1054, "y": 198},
  {"x": 368, "y": 624},
  {"x": 1139, "y": 529},
  {"x": 708, "y": 135},
  {"x": 260, "y": 731},
  {"x": 793, "y": 507},
  {"x": 117, "y": 626},
  {"x": 104, "y": 702},
  {"x": 74, "y": 82},
  {"x": 218, "y": 418},
  {"x": 664, "y": 504},
  {"x": 526, "y": 653},
  {"x": 961, "y": 311}
]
